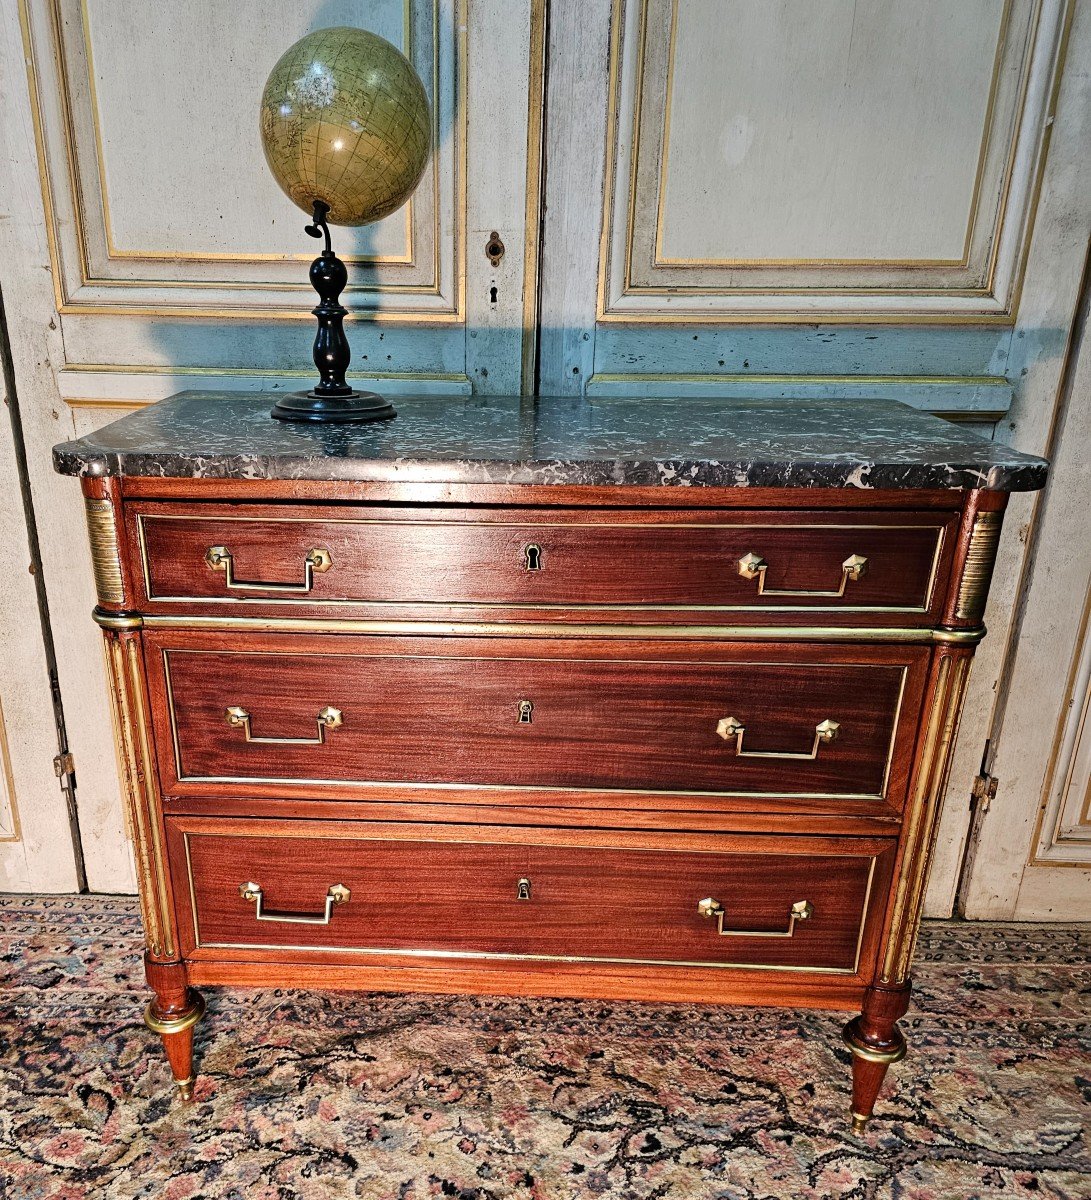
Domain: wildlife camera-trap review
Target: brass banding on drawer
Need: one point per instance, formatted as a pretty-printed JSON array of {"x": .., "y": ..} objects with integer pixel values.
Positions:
[
  {"x": 510, "y": 713},
  {"x": 671, "y": 564},
  {"x": 604, "y": 897}
]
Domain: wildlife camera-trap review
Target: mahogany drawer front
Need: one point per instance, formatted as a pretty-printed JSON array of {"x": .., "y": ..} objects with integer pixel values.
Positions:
[
  {"x": 454, "y": 891},
  {"x": 330, "y": 713},
  {"x": 684, "y": 567}
]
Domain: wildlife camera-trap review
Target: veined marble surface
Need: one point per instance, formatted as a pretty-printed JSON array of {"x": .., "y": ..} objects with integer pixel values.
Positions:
[{"x": 558, "y": 440}]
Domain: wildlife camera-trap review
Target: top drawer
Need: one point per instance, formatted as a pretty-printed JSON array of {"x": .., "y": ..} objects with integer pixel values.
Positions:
[{"x": 595, "y": 565}]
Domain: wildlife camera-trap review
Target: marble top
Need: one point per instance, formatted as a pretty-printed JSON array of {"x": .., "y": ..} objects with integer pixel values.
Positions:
[{"x": 559, "y": 440}]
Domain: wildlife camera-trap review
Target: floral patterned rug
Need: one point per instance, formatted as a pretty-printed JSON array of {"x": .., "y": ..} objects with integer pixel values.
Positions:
[{"x": 324, "y": 1096}]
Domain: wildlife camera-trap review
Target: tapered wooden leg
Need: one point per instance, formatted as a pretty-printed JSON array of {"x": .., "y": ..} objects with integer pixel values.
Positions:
[
  {"x": 875, "y": 1041},
  {"x": 172, "y": 1014}
]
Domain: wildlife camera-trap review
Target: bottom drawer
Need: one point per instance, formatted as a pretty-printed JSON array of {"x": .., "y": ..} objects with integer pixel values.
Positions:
[{"x": 326, "y": 889}]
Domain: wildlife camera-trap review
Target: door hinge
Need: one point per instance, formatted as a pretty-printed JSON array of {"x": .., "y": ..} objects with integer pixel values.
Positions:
[
  {"x": 64, "y": 764},
  {"x": 983, "y": 792}
]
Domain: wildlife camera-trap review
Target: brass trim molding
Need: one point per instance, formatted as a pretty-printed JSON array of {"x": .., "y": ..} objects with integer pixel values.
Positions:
[
  {"x": 126, "y": 622},
  {"x": 862, "y": 1050},
  {"x": 238, "y": 716},
  {"x": 138, "y": 773},
  {"x": 921, "y": 818},
  {"x": 105, "y": 550},
  {"x": 117, "y": 622},
  {"x": 959, "y": 637},
  {"x": 852, "y": 571},
  {"x": 759, "y": 633},
  {"x": 977, "y": 572},
  {"x": 499, "y": 956},
  {"x": 179, "y": 1024}
]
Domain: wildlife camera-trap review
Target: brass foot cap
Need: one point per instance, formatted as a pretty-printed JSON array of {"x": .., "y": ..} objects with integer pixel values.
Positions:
[
  {"x": 185, "y": 1088},
  {"x": 859, "y": 1122}
]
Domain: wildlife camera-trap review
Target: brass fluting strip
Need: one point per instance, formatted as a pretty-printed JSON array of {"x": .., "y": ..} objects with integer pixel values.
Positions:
[
  {"x": 147, "y": 766},
  {"x": 921, "y": 819},
  {"x": 980, "y": 559},
  {"x": 139, "y": 810},
  {"x": 105, "y": 551}
]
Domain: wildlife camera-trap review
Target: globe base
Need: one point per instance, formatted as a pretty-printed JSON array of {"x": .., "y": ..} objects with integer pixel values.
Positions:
[{"x": 354, "y": 408}]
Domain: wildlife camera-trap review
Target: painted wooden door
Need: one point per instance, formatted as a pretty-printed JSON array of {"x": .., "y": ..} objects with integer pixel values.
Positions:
[
  {"x": 812, "y": 197},
  {"x": 1030, "y": 845},
  {"x": 144, "y": 248}
]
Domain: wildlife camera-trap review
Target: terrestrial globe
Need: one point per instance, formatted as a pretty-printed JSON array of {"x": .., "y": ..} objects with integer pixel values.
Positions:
[
  {"x": 346, "y": 130},
  {"x": 345, "y": 120}
]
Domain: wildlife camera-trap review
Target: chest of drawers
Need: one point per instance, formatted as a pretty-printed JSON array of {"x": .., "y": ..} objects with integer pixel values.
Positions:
[{"x": 645, "y": 701}]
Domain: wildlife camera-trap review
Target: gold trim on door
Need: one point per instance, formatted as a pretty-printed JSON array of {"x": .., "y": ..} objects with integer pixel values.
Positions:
[{"x": 66, "y": 305}]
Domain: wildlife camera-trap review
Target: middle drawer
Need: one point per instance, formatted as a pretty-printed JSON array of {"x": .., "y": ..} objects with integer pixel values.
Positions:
[{"x": 294, "y": 714}]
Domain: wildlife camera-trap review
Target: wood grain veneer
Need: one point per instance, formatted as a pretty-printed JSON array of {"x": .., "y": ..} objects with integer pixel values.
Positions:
[
  {"x": 664, "y": 566},
  {"x": 608, "y": 719},
  {"x": 597, "y": 897}
]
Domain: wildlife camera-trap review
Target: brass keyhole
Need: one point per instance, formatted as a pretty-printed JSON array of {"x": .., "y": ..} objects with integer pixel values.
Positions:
[
  {"x": 526, "y": 707},
  {"x": 522, "y": 889},
  {"x": 494, "y": 249},
  {"x": 532, "y": 557}
]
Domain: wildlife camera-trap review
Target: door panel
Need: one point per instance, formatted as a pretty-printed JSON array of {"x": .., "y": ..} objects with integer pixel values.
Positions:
[
  {"x": 1030, "y": 849},
  {"x": 794, "y": 162}
]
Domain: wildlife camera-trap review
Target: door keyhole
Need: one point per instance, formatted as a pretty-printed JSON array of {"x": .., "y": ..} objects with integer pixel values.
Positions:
[{"x": 532, "y": 557}]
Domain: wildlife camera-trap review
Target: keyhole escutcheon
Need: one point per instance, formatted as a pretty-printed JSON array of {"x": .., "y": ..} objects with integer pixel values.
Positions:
[
  {"x": 532, "y": 557},
  {"x": 494, "y": 248},
  {"x": 522, "y": 889},
  {"x": 526, "y": 709}
]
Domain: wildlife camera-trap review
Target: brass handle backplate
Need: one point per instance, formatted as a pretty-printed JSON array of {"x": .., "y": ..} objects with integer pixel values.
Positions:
[
  {"x": 219, "y": 558},
  {"x": 337, "y": 894},
  {"x": 328, "y": 718},
  {"x": 731, "y": 727},
  {"x": 711, "y": 908},
  {"x": 753, "y": 566}
]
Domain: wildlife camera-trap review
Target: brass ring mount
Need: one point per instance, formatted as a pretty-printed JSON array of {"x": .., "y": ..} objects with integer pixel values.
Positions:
[{"x": 160, "y": 1024}]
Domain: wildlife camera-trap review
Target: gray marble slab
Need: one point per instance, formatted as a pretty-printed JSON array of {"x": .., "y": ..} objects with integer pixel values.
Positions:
[{"x": 511, "y": 439}]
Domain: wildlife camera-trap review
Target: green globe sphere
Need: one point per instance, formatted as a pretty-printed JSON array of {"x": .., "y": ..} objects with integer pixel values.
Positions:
[{"x": 345, "y": 119}]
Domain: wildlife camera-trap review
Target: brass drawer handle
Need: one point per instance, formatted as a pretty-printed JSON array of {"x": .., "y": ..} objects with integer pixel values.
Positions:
[
  {"x": 328, "y": 718},
  {"x": 753, "y": 566},
  {"x": 799, "y": 911},
  {"x": 219, "y": 558},
  {"x": 337, "y": 894},
  {"x": 731, "y": 727}
]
